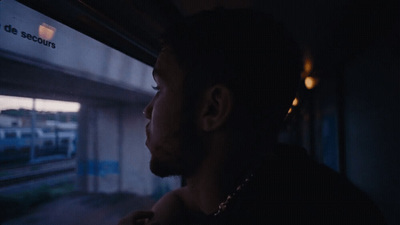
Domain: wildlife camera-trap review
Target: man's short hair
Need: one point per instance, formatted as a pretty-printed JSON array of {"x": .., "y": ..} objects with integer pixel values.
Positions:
[{"x": 248, "y": 52}]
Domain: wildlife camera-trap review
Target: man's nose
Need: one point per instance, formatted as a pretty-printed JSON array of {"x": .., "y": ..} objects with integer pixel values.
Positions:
[{"x": 147, "y": 111}]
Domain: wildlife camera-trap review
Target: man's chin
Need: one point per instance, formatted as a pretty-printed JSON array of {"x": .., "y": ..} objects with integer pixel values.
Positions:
[{"x": 163, "y": 169}]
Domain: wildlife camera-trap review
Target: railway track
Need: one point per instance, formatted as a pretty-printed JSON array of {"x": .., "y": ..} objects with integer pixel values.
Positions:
[{"x": 37, "y": 171}]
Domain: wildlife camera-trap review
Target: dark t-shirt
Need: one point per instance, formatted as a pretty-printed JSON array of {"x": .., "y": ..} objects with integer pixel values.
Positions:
[{"x": 292, "y": 189}]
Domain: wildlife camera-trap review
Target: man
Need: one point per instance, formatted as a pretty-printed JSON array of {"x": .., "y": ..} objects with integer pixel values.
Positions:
[{"x": 225, "y": 80}]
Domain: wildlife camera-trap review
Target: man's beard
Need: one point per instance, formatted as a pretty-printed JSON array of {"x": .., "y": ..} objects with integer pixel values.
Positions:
[
  {"x": 189, "y": 157},
  {"x": 164, "y": 169}
]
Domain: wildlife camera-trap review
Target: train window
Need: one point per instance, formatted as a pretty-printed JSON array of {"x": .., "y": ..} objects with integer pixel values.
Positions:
[
  {"x": 45, "y": 132},
  {"x": 36, "y": 150},
  {"x": 10, "y": 135},
  {"x": 47, "y": 143},
  {"x": 44, "y": 59},
  {"x": 26, "y": 135}
]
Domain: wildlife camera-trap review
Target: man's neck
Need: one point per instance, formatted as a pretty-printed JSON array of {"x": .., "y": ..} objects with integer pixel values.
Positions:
[{"x": 217, "y": 176}]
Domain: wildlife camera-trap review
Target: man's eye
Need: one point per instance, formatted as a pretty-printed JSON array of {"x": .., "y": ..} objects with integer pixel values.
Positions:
[{"x": 157, "y": 88}]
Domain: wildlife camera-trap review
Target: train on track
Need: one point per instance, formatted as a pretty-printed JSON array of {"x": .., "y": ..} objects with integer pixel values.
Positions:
[{"x": 19, "y": 142}]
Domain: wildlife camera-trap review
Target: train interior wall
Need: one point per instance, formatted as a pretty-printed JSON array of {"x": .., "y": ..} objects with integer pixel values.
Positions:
[
  {"x": 372, "y": 136},
  {"x": 360, "y": 126}
]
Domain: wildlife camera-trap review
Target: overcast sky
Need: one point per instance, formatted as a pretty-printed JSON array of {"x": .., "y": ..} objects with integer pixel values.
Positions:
[{"x": 7, "y": 102}]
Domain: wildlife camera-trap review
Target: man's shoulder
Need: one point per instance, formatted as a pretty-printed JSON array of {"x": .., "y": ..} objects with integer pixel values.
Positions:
[
  {"x": 184, "y": 196},
  {"x": 295, "y": 188},
  {"x": 170, "y": 200},
  {"x": 301, "y": 171}
]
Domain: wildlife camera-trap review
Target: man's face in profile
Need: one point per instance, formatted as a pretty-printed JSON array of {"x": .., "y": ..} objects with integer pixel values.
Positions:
[{"x": 164, "y": 130}]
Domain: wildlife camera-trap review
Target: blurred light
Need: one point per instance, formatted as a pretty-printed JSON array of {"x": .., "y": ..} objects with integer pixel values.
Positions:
[
  {"x": 290, "y": 110},
  {"x": 310, "y": 82},
  {"x": 295, "y": 102},
  {"x": 46, "y": 31},
  {"x": 307, "y": 66}
]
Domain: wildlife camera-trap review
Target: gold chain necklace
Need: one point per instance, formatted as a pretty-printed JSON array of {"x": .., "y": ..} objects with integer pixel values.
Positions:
[{"x": 222, "y": 206}]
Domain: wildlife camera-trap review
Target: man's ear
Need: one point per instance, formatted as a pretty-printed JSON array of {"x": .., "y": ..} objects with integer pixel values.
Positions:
[{"x": 215, "y": 108}]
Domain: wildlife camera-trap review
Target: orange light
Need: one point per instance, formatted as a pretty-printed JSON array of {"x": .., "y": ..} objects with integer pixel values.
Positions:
[
  {"x": 290, "y": 110},
  {"x": 310, "y": 82},
  {"x": 307, "y": 66},
  {"x": 46, "y": 31},
  {"x": 295, "y": 102}
]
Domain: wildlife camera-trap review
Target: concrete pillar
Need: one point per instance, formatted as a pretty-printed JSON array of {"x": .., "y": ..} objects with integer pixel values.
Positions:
[{"x": 111, "y": 153}]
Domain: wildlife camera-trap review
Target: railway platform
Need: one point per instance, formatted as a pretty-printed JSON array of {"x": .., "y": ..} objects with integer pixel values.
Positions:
[{"x": 83, "y": 209}]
